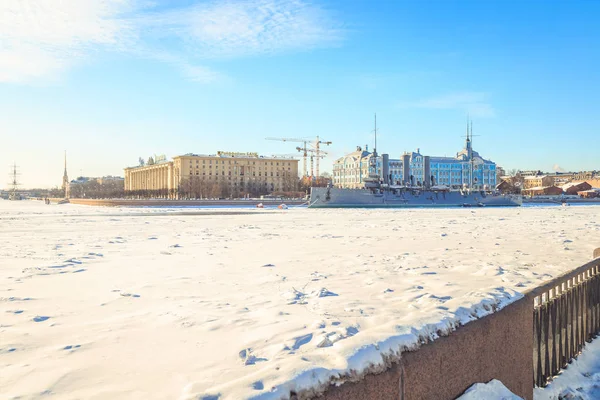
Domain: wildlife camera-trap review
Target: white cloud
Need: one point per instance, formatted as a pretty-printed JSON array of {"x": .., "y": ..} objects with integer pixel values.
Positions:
[
  {"x": 237, "y": 28},
  {"x": 39, "y": 39},
  {"x": 473, "y": 103}
]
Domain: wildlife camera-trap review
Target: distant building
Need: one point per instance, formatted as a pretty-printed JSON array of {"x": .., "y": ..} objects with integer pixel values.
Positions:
[
  {"x": 586, "y": 175},
  {"x": 506, "y": 186},
  {"x": 542, "y": 191},
  {"x": 537, "y": 181},
  {"x": 561, "y": 178},
  {"x": 109, "y": 179},
  {"x": 531, "y": 173},
  {"x": 573, "y": 188},
  {"x": 589, "y": 194},
  {"x": 237, "y": 172},
  {"x": 417, "y": 169},
  {"x": 500, "y": 172},
  {"x": 81, "y": 180}
]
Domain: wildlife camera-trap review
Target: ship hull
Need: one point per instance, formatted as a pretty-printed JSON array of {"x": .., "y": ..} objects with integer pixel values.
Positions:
[{"x": 363, "y": 198}]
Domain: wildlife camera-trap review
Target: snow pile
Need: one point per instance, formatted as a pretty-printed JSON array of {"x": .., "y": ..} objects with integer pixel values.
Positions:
[
  {"x": 493, "y": 390},
  {"x": 146, "y": 303},
  {"x": 579, "y": 381}
]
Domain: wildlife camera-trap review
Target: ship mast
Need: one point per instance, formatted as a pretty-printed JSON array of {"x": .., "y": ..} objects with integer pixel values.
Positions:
[
  {"x": 14, "y": 183},
  {"x": 374, "y": 155},
  {"x": 471, "y": 154}
]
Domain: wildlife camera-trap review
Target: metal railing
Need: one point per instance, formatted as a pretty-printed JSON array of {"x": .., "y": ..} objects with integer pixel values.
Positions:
[{"x": 566, "y": 315}]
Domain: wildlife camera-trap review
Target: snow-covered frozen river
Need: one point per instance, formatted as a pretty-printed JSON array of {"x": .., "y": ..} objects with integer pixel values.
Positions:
[{"x": 152, "y": 304}]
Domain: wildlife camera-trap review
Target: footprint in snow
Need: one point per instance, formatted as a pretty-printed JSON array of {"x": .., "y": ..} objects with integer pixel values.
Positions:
[
  {"x": 269, "y": 265},
  {"x": 40, "y": 318},
  {"x": 323, "y": 292},
  {"x": 258, "y": 385},
  {"x": 351, "y": 330},
  {"x": 299, "y": 341},
  {"x": 130, "y": 295},
  {"x": 210, "y": 397},
  {"x": 441, "y": 299},
  {"x": 249, "y": 358}
]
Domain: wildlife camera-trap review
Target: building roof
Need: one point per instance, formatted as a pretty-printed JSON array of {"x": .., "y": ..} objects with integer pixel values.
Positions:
[
  {"x": 227, "y": 154},
  {"x": 356, "y": 155},
  {"x": 593, "y": 190},
  {"x": 540, "y": 188},
  {"x": 572, "y": 184}
]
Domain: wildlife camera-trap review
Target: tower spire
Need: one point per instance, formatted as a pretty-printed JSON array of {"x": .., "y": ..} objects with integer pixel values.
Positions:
[{"x": 66, "y": 185}]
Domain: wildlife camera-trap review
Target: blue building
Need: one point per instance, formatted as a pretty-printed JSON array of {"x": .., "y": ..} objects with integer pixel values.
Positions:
[{"x": 468, "y": 169}]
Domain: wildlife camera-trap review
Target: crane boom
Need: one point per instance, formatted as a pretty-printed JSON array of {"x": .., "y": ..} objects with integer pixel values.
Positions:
[
  {"x": 297, "y": 140},
  {"x": 316, "y": 152}
]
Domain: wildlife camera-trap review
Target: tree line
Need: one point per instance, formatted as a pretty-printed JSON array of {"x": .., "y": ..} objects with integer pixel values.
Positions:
[{"x": 194, "y": 188}]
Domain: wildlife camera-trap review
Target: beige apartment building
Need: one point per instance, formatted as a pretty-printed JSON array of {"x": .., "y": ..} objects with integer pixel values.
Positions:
[
  {"x": 538, "y": 181},
  {"x": 233, "y": 172}
]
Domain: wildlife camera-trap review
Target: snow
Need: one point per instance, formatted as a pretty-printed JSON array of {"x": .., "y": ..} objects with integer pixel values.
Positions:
[
  {"x": 579, "y": 381},
  {"x": 185, "y": 304},
  {"x": 493, "y": 390}
]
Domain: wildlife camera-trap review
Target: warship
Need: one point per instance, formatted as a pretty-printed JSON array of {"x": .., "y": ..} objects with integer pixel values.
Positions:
[
  {"x": 380, "y": 192},
  {"x": 377, "y": 195}
]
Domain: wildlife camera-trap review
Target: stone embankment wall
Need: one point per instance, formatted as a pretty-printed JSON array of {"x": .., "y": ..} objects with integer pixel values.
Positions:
[
  {"x": 177, "y": 203},
  {"x": 499, "y": 346}
]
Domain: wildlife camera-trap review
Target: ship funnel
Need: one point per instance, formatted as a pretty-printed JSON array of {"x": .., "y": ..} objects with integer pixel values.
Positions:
[
  {"x": 386, "y": 168},
  {"x": 405, "y": 168},
  {"x": 426, "y": 170}
]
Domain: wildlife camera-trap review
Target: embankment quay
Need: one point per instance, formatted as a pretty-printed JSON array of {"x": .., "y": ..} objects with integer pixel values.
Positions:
[
  {"x": 178, "y": 203},
  {"x": 558, "y": 201}
]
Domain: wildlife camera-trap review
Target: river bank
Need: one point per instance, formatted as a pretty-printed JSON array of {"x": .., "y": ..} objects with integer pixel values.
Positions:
[{"x": 178, "y": 203}]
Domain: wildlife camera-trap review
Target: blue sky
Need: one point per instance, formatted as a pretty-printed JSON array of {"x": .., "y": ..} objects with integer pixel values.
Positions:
[{"x": 110, "y": 81}]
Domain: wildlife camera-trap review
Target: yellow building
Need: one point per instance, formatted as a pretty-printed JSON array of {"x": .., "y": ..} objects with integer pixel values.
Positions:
[
  {"x": 537, "y": 181},
  {"x": 220, "y": 175}
]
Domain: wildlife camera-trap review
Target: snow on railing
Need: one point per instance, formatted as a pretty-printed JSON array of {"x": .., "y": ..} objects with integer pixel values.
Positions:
[{"x": 566, "y": 315}]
